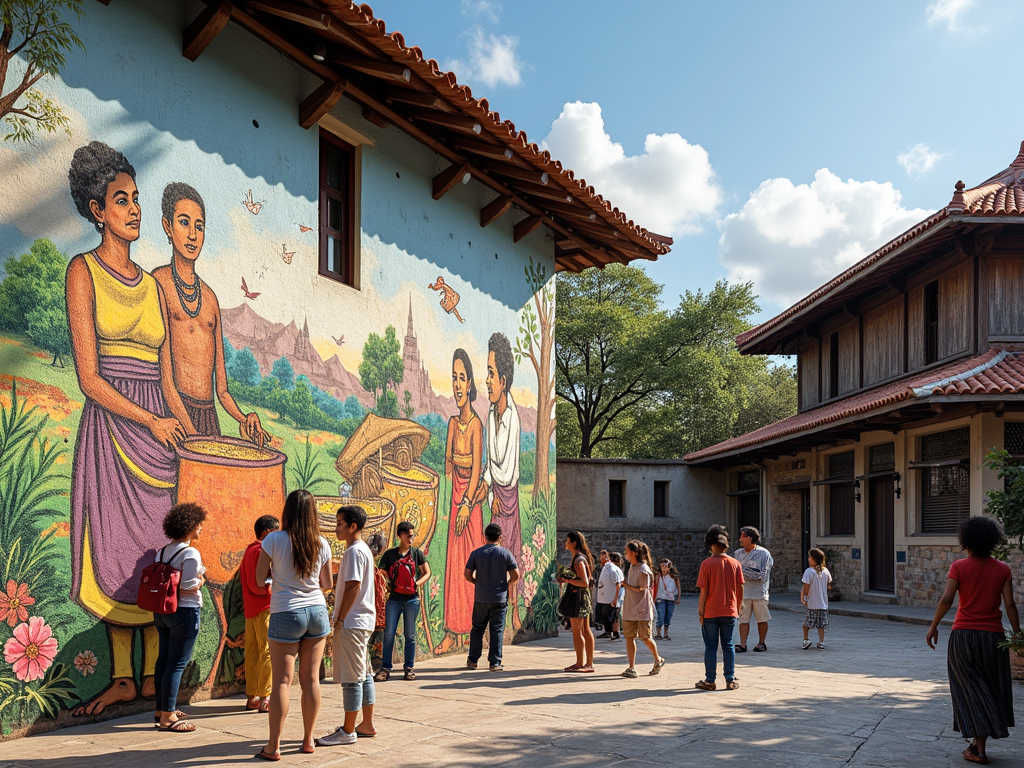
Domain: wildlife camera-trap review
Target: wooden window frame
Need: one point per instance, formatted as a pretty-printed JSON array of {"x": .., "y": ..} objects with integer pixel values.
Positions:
[{"x": 349, "y": 200}]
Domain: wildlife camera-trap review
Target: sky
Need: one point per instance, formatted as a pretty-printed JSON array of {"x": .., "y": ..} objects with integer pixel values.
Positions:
[{"x": 776, "y": 142}]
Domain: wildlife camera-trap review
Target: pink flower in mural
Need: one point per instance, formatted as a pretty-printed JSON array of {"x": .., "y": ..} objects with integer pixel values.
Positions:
[
  {"x": 31, "y": 650},
  {"x": 85, "y": 662},
  {"x": 13, "y": 602},
  {"x": 529, "y": 590},
  {"x": 435, "y": 587},
  {"x": 528, "y": 561},
  {"x": 538, "y": 538}
]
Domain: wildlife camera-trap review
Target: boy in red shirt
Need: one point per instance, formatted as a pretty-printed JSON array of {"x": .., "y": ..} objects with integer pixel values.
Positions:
[
  {"x": 721, "y": 591},
  {"x": 256, "y": 604}
]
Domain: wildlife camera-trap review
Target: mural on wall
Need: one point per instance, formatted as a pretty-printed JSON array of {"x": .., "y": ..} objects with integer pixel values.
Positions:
[{"x": 171, "y": 396}]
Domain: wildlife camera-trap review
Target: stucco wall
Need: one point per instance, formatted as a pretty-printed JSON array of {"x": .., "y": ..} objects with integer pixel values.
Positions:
[{"x": 294, "y": 346}]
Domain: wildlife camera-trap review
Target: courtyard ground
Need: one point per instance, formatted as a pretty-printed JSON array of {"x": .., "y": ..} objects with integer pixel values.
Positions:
[{"x": 877, "y": 696}]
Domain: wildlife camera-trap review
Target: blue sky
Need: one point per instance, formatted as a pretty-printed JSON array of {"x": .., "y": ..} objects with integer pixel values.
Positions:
[{"x": 748, "y": 103}]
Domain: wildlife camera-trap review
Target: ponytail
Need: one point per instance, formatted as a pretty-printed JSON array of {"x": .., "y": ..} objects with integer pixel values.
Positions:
[
  {"x": 818, "y": 556},
  {"x": 643, "y": 554}
]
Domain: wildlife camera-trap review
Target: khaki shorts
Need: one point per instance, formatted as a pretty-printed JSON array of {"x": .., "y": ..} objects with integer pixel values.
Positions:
[
  {"x": 757, "y": 607},
  {"x": 638, "y": 629},
  {"x": 351, "y": 655}
]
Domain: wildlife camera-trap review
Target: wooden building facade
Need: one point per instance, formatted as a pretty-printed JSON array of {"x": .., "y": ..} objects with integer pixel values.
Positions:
[{"x": 911, "y": 369}]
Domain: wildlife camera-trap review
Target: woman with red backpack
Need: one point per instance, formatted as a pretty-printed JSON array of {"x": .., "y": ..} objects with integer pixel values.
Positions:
[
  {"x": 177, "y": 629},
  {"x": 406, "y": 569}
]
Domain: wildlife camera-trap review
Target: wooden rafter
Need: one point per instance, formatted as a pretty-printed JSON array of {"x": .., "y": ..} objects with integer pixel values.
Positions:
[
  {"x": 484, "y": 149},
  {"x": 206, "y": 26},
  {"x": 449, "y": 177},
  {"x": 525, "y": 227},
  {"x": 319, "y": 103},
  {"x": 550, "y": 192},
  {"x": 418, "y": 99},
  {"x": 497, "y": 207},
  {"x": 382, "y": 70},
  {"x": 319, "y": 21},
  {"x": 455, "y": 122},
  {"x": 530, "y": 175}
]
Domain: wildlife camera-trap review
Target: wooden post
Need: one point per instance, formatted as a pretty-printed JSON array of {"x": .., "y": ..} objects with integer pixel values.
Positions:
[
  {"x": 320, "y": 102},
  {"x": 449, "y": 177},
  {"x": 494, "y": 209}
]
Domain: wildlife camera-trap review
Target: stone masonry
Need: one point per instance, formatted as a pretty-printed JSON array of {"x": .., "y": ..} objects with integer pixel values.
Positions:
[{"x": 685, "y": 548}]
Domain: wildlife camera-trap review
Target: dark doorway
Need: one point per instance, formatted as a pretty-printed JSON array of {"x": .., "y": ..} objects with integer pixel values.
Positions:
[
  {"x": 805, "y": 525},
  {"x": 881, "y": 541}
]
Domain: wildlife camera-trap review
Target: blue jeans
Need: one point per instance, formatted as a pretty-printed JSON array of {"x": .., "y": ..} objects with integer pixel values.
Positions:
[
  {"x": 177, "y": 633},
  {"x": 355, "y": 696},
  {"x": 485, "y": 614},
  {"x": 393, "y": 610},
  {"x": 715, "y": 631},
  {"x": 665, "y": 610}
]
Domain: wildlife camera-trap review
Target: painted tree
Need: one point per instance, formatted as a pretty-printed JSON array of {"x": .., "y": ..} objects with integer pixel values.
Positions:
[
  {"x": 282, "y": 371},
  {"x": 30, "y": 279},
  {"x": 381, "y": 370},
  {"x": 536, "y": 342},
  {"x": 47, "y": 324},
  {"x": 36, "y": 32},
  {"x": 244, "y": 368},
  {"x": 407, "y": 409}
]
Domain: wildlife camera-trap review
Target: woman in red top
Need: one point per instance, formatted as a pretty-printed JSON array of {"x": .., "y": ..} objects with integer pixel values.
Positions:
[{"x": 979, "y": 670}]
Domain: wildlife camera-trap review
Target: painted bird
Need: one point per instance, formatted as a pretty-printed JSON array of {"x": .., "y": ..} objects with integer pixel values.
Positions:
[
  {"x": 339, "y": 340},
  {"x": 247, "y": 293}
]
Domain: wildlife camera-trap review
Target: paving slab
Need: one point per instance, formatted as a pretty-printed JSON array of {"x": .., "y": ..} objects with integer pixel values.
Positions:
[{"x": 876, "y": 696}]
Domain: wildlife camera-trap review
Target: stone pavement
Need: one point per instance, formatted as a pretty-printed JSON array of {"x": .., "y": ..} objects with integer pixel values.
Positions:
[{"x": 877, "y": 696}]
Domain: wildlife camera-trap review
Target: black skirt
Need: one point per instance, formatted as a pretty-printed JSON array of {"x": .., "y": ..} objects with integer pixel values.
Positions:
[{"x": 980, "y": 684}]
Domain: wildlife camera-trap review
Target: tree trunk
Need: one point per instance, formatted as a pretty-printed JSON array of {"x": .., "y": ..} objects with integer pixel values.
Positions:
[{"x": 545, "y": 401}]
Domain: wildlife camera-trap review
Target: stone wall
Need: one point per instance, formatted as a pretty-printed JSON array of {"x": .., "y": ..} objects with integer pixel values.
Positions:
[
  {"x": 922, "y": 580},
  {"x": 685, "y": 548},
  {"x": 783, "y": 540}
]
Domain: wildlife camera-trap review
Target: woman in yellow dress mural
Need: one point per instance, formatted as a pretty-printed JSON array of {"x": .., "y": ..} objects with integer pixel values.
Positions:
[{"x": 125, "y": 468}]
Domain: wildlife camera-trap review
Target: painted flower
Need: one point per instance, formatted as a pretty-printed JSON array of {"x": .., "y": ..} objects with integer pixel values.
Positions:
[
  {"x": 528, "y": 561},
  {"x": 529, "y": 590},
  {"x": 542, "y": 562},
  {"x": 85, "y": 662},
  {"x": 13, "y": 603},
  {"x": 31, "y": 650},
  {"x": 435, "y": 587},
  {"x": 538, "y": 537}
]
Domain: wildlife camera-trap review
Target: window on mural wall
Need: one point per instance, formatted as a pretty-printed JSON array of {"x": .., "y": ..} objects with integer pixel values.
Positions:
[
  {"x": 337, "y": 206},
  {"x": 945, "y": 480}
]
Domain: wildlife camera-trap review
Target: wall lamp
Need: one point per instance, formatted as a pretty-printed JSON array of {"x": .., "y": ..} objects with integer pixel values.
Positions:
[
  {"x": 898, "y": 490},
  {"x": 856, "y": 490}
]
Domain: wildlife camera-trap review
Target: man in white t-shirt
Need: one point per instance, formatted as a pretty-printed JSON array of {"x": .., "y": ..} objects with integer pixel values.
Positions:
[
  {"x": 757, "y": 565},
  {"x": 355, "y": 615},
  {"x": 609, "y": 582}
]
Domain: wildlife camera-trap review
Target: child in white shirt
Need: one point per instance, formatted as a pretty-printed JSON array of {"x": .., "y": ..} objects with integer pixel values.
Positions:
[{"x": 814, "y": 595}]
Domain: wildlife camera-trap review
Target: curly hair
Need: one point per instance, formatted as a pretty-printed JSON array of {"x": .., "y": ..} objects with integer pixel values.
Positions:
[
  {"x": 183, "y": 519},
  {"x": 980, "y": 535},
  {"x": 93, "y": 167},
  {"x": 460, "y": 354},
  {"x": 179, "y": 190},
  {"x": 503, "y": 359}
]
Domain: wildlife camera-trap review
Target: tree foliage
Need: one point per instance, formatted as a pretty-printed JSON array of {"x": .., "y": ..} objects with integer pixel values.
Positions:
[
  {"x": 381, "y": 369},
  {"x": 38, "y": 33},
  {"x": 641, "y": 381},
  {"x": 282, "y": 371},
  {"x": 1007, "y": 504},
  {"x": 31, "y": 281}
]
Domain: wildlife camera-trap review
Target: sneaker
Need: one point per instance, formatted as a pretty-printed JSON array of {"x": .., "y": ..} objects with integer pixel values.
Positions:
[
  {"x": 496, "y": 668},
  {"x": 629, "y": 672},
  {"x": 339, "y": 738},
  {"x": 657, "y": 666},
  {"x": 382, "y": 676},
  {"x": 603, "y": 635},
  {"x": 820, "y": 646},
  {"x": 616, "y": 636},
  {"x": 410, "y": 675},
  {"x": 760, "y": 648},
  {"x": 806, "y": 644},
  {"x": 470, "y": 665},
  {"x": 740, "y": 648}
]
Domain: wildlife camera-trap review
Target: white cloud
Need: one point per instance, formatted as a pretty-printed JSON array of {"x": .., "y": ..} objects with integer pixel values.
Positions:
[
  {"x": 790, "y": 238},
  {"x": 491, "y": 60},
  {"x": 669, "y": 188},
  {"x": 948, "y": 13},
  {"x": 919, "y": 159},
  {"x": 489, "y": 10}
]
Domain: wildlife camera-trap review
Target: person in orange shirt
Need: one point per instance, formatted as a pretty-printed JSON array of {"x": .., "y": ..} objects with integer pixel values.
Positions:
[
  {"x": 256, "y": 605},
  {"x": 721, "y": 591}
]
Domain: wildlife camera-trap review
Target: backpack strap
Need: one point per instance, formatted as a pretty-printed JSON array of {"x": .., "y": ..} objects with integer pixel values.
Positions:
[{"x": 163, "y": 549}]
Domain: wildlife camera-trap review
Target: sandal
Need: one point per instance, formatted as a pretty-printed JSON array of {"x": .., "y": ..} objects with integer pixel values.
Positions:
[
  {"x": 629, "y": 672},
  {"x": 264, "y": 706},
  {"x": 365, "y": 734},
  {"x": 740, "y": 648},
  {"x": 704, "y": 685},
  {"x": 382, "y": 676},
  {"x": 410, "y": 675},
  {"x": 807, "y": 644},
  {"x": 657, "y": 666},
  {"x": 732, "y": 685},
  {"x": 971, "y": 755},
  {"x": 572, "y": 668},
  {"x": 273, "y": 757},
  {"x": 760, "y": 648},
  {"x": 177, "y": 713},
  {"x": 178, "y": 726},
  {"x": 586, "y": 669}
]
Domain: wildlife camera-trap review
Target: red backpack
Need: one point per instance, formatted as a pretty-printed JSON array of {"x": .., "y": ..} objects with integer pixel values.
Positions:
[
  {"x": 402, "y": 574},
  {"x": 158, "y": 587}
]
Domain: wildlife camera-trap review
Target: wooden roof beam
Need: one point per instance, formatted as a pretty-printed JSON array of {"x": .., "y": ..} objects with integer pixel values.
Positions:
[
  {"x": 557, "y": 194},
  {"x": 315, "y": 19},
  {"x": 455, "y": 122},
  {"x": 319, "y": 103},
  {"x": 418, "y": 99},
  {"x": 530, "y": 175},
  {"x": 449, "y": 177},
  {"x": 484, "y": 149},
  {"x": 497, "y": 207},
  {"x": 525, "y": 226},
  {"x": 202, "y": 31},
  {"x": 382, "y": 70}
]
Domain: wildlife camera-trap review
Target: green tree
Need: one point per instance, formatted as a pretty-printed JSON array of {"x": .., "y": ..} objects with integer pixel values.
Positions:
[
  {"x": 244, "y": 368},
  {"x": 283, "y": 372},
  {"x": 387, "y": 405},
  {"x": 30, "y": 281},
  {"x": 35, "y": 31},
  {"x": 48, "y": 325},
  {"x": 407, "y": 409},
  {"x": 381, "y": 368}
]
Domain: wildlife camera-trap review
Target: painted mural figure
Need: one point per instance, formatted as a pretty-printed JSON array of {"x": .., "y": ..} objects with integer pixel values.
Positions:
[
  {"x": 502, "y": 471},
  {"x": 449, "y": 298},
  {"x": 195, "y": 331},
  {"x": 463, "y": 462},
  {"x": 125, "y": 467}
]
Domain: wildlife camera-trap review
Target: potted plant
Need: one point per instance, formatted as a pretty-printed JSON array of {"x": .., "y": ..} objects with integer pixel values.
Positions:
[{"x": 1007, "y": 506}]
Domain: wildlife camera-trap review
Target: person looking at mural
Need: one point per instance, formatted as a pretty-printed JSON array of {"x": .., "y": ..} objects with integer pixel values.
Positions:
[
  {"x": 667, "y": 594},
  {"x": 720, "y": 581},
  {"x": 638, "y": 606},
  {"x": 463, "y": 461},
  {"x": 609, "y": 582},
  {"x": 502, "y": 471},
  {"x": 380, "y": 598},
  {"x": 299, "y": 624},
  {"x": 353, "y": 620},
  {"x": 492, "y": 571},
  {"x": 178, "y": 631},
  {"x": 576, "y": 602},
  {"x": 256, "y": 607},
  {"x": 407, "y": 570},
  {"x": 124, "y": 467},
  {"x": 196, "y": 334}
]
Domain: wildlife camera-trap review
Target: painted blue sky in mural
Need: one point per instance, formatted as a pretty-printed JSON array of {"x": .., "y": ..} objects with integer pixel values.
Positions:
[{"x": 896, "y": 100}]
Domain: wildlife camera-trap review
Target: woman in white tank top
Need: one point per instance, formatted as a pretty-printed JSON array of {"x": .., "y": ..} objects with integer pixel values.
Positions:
[{"x": 666, "y": 597}]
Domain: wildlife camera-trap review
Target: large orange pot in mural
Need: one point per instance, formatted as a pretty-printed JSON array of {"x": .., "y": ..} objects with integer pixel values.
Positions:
[
  {"x": 380, "y": 518},
  {"x": 235, "y": 482}
]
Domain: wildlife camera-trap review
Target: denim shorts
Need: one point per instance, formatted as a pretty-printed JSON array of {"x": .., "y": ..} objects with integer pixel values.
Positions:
[{"x": 310, "y": 622}]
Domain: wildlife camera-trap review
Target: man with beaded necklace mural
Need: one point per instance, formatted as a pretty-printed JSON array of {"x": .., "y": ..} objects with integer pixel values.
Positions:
[{"x": 194, "y": 323}]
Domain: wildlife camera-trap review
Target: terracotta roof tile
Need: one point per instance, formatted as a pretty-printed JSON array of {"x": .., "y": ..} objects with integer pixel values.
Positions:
[
  {"x": 997, "y": 372},
  {"x": 1001, "y": 195}
]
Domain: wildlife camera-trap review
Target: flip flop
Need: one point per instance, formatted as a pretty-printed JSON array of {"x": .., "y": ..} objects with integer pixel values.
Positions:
[
  {"x": 178, "y": 726},
  {"x": 365, "y": 734},
  {"x": 586, "y": 670},
  {"x": 573, "y": 668},
  {"x": 264, "y": 706},
  {"x": 177, "y": 713},
  {"x": 264, "y": 756}
]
